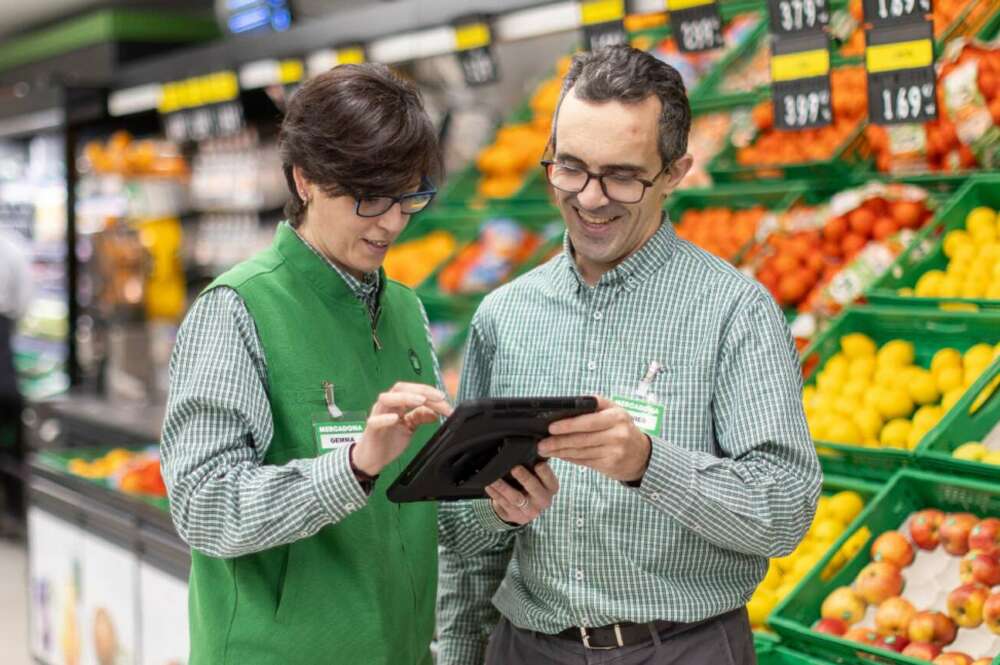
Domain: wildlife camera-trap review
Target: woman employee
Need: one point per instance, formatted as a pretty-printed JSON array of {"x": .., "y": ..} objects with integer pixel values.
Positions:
[{"x": 300, "y": 384}]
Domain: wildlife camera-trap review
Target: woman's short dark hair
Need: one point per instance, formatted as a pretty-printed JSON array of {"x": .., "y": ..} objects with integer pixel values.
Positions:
[
  {"x": 357, "y": 130},
  {"x": 625, "y": 74}
]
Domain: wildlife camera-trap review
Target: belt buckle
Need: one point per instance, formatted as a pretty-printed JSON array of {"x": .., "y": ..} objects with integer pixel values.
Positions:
[{"x": 585, "y": 638}]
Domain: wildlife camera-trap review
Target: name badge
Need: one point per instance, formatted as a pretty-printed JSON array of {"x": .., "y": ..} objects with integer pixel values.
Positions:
[
  {"x": 333, "y": 434},
  {"x": 647, "y": 416}
]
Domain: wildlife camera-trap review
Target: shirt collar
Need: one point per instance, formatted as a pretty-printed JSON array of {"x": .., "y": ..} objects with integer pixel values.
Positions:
[
  {"x": 634, "y": 270},
  {"x": 364, "y": 289}
]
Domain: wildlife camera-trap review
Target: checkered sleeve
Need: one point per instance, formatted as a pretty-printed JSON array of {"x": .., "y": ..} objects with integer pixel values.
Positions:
[
  {"x": 224, "y": 501},
  {"x": 760, "y": 496}
]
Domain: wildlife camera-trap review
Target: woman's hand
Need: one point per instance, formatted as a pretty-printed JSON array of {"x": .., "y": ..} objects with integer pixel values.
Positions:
[{"x": 395, "y": 416}]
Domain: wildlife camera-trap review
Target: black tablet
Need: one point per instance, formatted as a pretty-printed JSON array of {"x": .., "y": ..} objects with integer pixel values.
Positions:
[{"x": 482, "y": 441}]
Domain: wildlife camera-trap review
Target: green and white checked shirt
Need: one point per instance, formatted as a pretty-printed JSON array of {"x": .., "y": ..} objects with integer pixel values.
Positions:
[
  {"x": 224, "y": 500},
  {"x": 732, "y": 480}
]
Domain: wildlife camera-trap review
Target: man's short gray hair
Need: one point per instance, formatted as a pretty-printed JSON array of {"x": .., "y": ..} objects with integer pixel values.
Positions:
[{"x": 625, "y": 74}]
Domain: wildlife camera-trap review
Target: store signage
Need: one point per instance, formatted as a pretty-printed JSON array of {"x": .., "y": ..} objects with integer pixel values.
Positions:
[
  {"x": 902, "y": 86},
  {"x": 200, "y": 107},
  {"x": 696, "y": 25},
  {"x": 240, "y": 16},
  {"x": 474, "y": 47},
  {"x": 800, "y": 81},
  {"x": 894, "y": 11},
  {"x": 794, "y": 16},
  {"x": 603, "y": 23}
]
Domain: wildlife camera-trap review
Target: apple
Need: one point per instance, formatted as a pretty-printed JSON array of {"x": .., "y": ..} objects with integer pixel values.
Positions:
[
  {"x": 955, "y": 532},
  {"x": 979, "y": 566},
  {"x": 894, "y": 617},
  {"x": 861, "y": 634},
  {"x": 831, "y": 627},
  {"x": 892, "y": 643},
  {"x": 925, "y": 528},
  {"x": 893, "y": 547},
  {"x": 844, "y": 604},
  {"x": 953, "y": 658},
  {"x": 877, "y": 582},
  {"x": 932, "y": 627},
  {"x": 966, "y": 603},
  {"x": 922, "y": 650},
  {"x": 991, "y": 613},
  {"x": 985, "y": 536}
]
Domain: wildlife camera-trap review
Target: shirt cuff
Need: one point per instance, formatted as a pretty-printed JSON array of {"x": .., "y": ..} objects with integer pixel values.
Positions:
[
  {"x": 487, "y": 518},
  {"x": 670, "y": 477},
  {"x": 335, "y": 484}
]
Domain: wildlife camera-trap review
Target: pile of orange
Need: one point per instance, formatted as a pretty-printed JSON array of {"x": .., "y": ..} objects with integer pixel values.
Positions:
[
  {"x": 121, "y": 154},
  {"x": 849, "y": 100},
  {"x": 721, "y": 231}
]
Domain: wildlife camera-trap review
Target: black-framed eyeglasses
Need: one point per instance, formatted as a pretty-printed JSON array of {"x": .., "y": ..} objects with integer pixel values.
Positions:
[
  {"x": 409, "y": 204},
  {"x": 618, "y": 188}
]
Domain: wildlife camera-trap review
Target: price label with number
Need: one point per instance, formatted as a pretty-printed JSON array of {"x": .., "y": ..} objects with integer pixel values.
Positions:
[
  {"x": 473, "y": 43},
  {"x": 696, "y": 24},
  {"x": 793, "y": 16},
  {"x": 893, "y": 11},
  {"x": 800, "y": 81},
  {"x": 603, "y": 23},
  {"x": 902, "y": 85}
]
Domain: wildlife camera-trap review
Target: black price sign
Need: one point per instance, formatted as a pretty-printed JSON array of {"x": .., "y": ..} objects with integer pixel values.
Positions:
[
  {"x": 792, "y": 16},
  {"x": 201, "y": 107},
  {"x": 696, "y": 24},
  {"x": 902, "y": 85},
  {"x": 603, "y": 23},
  {"x": 473, "y": 42},
  {"x": 882, "y": 11},
  {"x": 800, "y": 81}
]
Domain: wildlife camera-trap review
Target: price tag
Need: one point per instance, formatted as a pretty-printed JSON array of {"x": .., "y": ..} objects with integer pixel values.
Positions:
[
  {"x": 800, "y": 81},
  {"x": 201, "y": 107},
  {"x": 603, "y": 23},
  {"x": 794, "y": 16},
  {"x": 696, "y": 24},
  {"x": 879, "y": 12},
  {"x": 902, "y": 85},
  {"x": 351, "y": 55},
  {"x": 474, "y": 44}
]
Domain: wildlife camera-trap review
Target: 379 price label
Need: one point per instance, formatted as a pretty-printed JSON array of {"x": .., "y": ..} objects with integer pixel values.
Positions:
[
  {"x": 880, "y": 11},
  {"x": 697, "y": 25},
  {"x": 791, "y": 16}
]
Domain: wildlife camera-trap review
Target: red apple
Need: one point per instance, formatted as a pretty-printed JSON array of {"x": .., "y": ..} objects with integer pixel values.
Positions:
[
  {"x": 894, "y": 617},
  {"x": 861, "y": 634},
  {"x": 991, "y": 613},
  {"x": 831, "y": 627},
  {"x": 932, "y": 627},
  {"x": 953, "y": 658},
  {"x": 922, "y": 650},
  {"x": 985, "y": 536},
  {"x": 878, "y": 582},
  {"x": 979, "y": 566},
  {"x": 892, "y": 643},
  {"x": 955, "y": 532},
  {"x": 966, "y": 603},
  {"x": 925, "y": 528},
  {"x": 893, "y": 547},
  {"x": 845, "y": 605}
]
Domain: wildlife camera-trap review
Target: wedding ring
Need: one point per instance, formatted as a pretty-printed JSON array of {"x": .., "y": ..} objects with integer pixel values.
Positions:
[{"x": 523, "y": 502}]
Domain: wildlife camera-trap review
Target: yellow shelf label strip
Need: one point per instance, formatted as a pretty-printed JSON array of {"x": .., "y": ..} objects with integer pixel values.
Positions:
[
  {"x": 802, "y": 65},
  {"x": 901, "y": 55}
]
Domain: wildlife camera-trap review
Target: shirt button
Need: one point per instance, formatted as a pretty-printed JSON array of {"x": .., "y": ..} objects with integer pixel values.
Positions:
[
  {"x": 579, "y": 574},
  {"x": 349, "y": 505},
  {"x": 581, "y": 469},
  {"x": 579, "y": 521},
  {"x": 303, "y": 534},
  {"x": 585, "y": 622},
  {"x": 598, "y": 316},
  {"x": 655, "y": 496},
  {"x": 591, "y": 365}
]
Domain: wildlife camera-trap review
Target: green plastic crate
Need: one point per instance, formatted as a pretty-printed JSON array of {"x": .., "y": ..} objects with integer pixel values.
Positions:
[
  {"x": 971, "y": 419},
  {"x": 907, "y": 492},
  {"x": 929, "y": 331},
  {"x": 927, "y": 252},
  {"x": 780, "y": 656}
]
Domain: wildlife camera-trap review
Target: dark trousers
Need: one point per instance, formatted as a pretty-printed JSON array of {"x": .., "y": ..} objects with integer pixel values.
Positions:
[
  {"x": 11, "y": 441},
  {"x": 724, "y": 640}
]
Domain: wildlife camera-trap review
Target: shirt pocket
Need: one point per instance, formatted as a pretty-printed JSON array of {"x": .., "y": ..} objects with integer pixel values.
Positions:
[{"x": 686, "y": 390}]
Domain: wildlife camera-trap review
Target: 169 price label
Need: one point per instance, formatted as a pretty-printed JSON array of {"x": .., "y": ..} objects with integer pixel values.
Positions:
[
  {"x": 902, "y": 96},
  {"x": 802, "y": 104},
  {"x": 877, "y": 11},
  {"x": 790, "y": 16},
  {"x": 698, "y": 28}
]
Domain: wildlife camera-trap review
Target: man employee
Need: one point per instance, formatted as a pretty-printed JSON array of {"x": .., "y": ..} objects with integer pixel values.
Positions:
[{"x": 651, "y": 525}]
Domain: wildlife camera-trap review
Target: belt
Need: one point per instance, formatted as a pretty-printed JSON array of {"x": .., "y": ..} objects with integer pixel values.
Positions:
[{"x": 618, "y": 634}]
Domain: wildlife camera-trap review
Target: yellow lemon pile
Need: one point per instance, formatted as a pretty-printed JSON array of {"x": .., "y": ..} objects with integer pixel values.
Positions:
[
  {"x": 976, "y": 452},
  {"x": 973, "y": 269},
  {"x": 102, "y": 467},
  {"x": 879, "y": 397},
  {"x": 833, "y": 514}
]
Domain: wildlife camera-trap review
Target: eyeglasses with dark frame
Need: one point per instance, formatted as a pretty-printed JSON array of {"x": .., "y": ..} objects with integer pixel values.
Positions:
[
  {"x": 573, "y": 180},
  {"x": 409, "y": 204}
]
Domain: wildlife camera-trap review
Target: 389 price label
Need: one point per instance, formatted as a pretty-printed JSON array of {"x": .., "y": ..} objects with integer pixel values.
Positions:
[
  {"x": 802, "y": 104},
  {"x": 699, "y": 28},
  {"x": 878, "y": 11},
  {"x": 902, "y": 97},
  {"x": 603, "y": 23},
  {"x": 790, "y": 16}
]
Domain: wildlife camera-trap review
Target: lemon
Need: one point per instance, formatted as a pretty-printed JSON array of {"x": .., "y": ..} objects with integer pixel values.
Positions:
[
  {"x": 772, "y": 580},
  {"x": 928, "y": 416},
  {"x": 895, "y": 433},
  {"x": 957, "y": 269},
  {"x": 901, "y": 379},
  {"x": 837, "y": 365},
  {"x": 992, "y": 457},
  {"x": 822, "y": 508},
  {"x": 970, "y": 452},
  {"x": 929, "y": 284},
  {"x": 760, "y": 605},
  {"x": 922, "y": 387},
  {"x": 828, "y": 530},
  {"x": 829, "y": 384},
  {"x": 906, "y": 292},
  {"x": 857, "y": 345},
  {"x": 951, "y": 398},
  {"x": 950, "y": 378},
  {"x": 897, "y": 353},
  {"x": 978, "y": 356},
  {"x": 894, "y": 403},
  {"x": 886, "y": 376},
  {"x": 981, "y": 221},
  {"x": 973, "y": 288},
  {"x": 966, "y": 253},
  {"x": 990, "y": 251},
  {"x": 868, "y": 421},
  {"x": 809, "y": 398},
  {"x": 823, "y": 403},
  {"x": 946, "y": 357},
  {"x": 993, "y": 291},
  {"x": 843, "y": 430},
  {"x": 846, "y": 505},
  {"x": 819, "y": 427},
  {"x": 972, "y": 374},
  {"x": 915, "y": 436},
  {"x": 855, "y": 389},
  {"x": 862, "y": 368},
  {"x": 804, "y": 565},
  {"x": 955, "y": 239},
  {"x": 872, "y": 397},
  {"x": 846, "y": 406},
  {"x": 951, "y": 287},
  {"x": 786, "y": 588},
  {"x": 856, "y": 542}
]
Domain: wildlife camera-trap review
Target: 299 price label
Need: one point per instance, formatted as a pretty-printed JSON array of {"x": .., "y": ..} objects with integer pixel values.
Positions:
[
  {"x": 802, "y": 104},
  {"x": 698, "y": 28},
  {"x": 790, "y": 16},
  {"x": 903, "y": 96},
  {"x": 879, "y": 11}
]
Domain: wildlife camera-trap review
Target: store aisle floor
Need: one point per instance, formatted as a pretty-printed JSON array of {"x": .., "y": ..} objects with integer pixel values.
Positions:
[{"x": 13, "y": 604}]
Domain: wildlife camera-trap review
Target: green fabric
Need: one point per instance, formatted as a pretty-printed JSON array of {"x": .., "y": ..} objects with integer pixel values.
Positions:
[{"x": 361, "y": 590}]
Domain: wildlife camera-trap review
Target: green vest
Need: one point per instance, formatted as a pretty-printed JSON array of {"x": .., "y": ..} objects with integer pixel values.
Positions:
[{"x": 361, "y": 591}]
